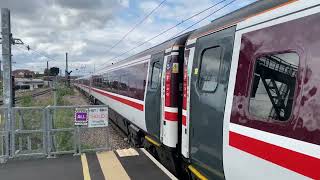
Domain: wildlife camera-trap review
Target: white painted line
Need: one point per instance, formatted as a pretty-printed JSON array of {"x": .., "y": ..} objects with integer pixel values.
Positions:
[{"x": 169, "y": 174}]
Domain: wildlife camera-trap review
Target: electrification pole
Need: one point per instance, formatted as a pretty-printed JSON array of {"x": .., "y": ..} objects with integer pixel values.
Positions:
[
  {"x": 0, "y": 71},
  {"x": 47, "y": 69},
  {"x": 7, "y": 78},
  {"x": 66, "y": 72},
  {"x": 6, "y": 58}
]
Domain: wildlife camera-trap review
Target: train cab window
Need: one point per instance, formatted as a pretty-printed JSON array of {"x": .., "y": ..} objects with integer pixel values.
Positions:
[
  {"x": 209, "y": 69},
  {"x": 156, "y": 73},
  {"x": 273, "y": 86}
]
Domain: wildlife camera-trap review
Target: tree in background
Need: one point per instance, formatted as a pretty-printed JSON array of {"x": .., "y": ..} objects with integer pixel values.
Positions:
[{"x": 54, "y": 71}]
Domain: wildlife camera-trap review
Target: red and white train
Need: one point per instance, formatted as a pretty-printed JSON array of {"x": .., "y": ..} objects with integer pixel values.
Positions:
[{"x": 236, "y": 99}]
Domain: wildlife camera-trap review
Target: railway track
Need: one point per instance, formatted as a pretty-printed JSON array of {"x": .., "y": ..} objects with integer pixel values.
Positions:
[{"x": 17, "y": 99}]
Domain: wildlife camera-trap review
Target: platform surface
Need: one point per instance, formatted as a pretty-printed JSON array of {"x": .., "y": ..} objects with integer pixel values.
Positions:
[{"x": 122, "y": 164}]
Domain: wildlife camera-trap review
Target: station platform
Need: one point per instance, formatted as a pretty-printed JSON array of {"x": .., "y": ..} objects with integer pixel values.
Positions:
[{"x": 122, "y": 164}]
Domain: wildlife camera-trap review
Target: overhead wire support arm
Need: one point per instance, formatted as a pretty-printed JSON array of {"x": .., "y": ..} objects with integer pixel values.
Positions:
[
  {"x": 13, "y": 41},
  {"x": 16, "y": 41}
]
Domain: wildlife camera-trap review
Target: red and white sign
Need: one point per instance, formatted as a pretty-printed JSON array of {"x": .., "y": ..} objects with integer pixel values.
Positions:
[{"x": 98, "y": 117}]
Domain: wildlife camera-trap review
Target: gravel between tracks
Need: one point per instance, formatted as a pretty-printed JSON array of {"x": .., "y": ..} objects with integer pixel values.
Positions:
[{"x": 97, "y": 137}]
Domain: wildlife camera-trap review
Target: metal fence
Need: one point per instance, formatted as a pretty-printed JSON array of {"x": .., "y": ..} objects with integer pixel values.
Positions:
[
  {"x": 4, "y": 135},
  {"x": 48, "y": 131},
  {"x": 28, "y": 132}
]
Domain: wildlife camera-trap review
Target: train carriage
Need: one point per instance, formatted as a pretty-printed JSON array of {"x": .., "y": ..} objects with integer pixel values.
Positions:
[
  {"x": 257, "y": 111},
  {"x": 236, "y": 99},
  {"x": 144, "y": 94}
]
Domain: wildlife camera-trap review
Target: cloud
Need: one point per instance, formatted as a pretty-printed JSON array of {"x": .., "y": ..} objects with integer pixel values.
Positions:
[{"x": 88, "y": 28}]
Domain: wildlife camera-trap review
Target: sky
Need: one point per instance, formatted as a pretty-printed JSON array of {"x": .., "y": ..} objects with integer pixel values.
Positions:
[{"x": 87, "y": 29}]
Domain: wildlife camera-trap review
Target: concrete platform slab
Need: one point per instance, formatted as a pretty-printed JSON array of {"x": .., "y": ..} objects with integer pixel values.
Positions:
[{"x": 122, "y": 164}]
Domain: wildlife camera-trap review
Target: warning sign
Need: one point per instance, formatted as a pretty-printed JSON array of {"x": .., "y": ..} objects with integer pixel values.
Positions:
[
  {"x": 81, "y": 117},
  {"x": 98, "y": 117},
  {"x": 196, "y": 70},
  {"x": 175, "y": 68}
]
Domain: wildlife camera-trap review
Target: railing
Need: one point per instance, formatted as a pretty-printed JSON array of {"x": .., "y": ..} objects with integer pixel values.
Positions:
[
  {"x": 19, "y": 98},
  {"x": 4, "y": 136},
  {"x": 48, "y": 131}
]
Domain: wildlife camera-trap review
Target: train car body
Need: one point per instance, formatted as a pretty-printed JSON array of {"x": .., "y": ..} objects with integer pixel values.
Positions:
[
  {"x": 236, "y": 99},
  {"x": 245, "y": 114},
  {"x": 144, "y": 94}
]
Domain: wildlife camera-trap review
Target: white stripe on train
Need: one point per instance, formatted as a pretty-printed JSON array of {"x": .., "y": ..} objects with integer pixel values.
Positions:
[{"x": 281, "y": 141}]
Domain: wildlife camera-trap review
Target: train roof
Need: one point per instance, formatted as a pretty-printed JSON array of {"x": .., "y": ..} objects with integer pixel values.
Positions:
[
  {"x": 153, "y": 50},
  {"x": 238, "y": 15},
  {"x": 180, "y": 40}
]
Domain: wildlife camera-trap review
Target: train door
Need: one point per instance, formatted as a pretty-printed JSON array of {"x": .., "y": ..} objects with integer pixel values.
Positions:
[
  {"x": 208, "y": 91},
  {"x": 153, "y": 96},
  {"x": 273, "y": 107}
]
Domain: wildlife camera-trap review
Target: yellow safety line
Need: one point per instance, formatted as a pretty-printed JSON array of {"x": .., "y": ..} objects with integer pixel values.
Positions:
[
  {"x": 111, "y": 166},
  {"x": 197, "y": 173},
  {"x": 85, "y": 167},
  {"x": 152, "y": 141}
]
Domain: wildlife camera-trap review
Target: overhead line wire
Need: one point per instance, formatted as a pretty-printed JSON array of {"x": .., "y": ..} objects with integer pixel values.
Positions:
[
  {"x": 21, "y": 50},
  {"x": 37, "y": 52},
  {"x": 161, "y": 33},
  {"x": 136, "y": 25},
  {"x": 181, "y": 32}
]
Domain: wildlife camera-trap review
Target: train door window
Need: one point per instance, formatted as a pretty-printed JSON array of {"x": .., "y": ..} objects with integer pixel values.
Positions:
[
  {"x": 273, "y": 86},
  {"x": 209, "y": 69},
  {"x": 155, "y": 78}
]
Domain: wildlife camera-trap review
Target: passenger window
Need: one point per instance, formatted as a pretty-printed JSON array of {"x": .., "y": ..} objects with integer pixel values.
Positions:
[
  {"x": 209, "y": 69},
  {"x": 273, "y": 86},
  {"x": 155, "y": 78}
]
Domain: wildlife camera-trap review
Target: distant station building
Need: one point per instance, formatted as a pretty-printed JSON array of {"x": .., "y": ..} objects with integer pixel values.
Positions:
[
  {"x": 23, "y": 73},
  {"x": 25, "y": 83},
  {"x": 25, "y": 79}
]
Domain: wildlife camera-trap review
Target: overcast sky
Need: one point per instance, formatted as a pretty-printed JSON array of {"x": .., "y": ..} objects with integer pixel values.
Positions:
[{"x": 86, "y": 29}]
